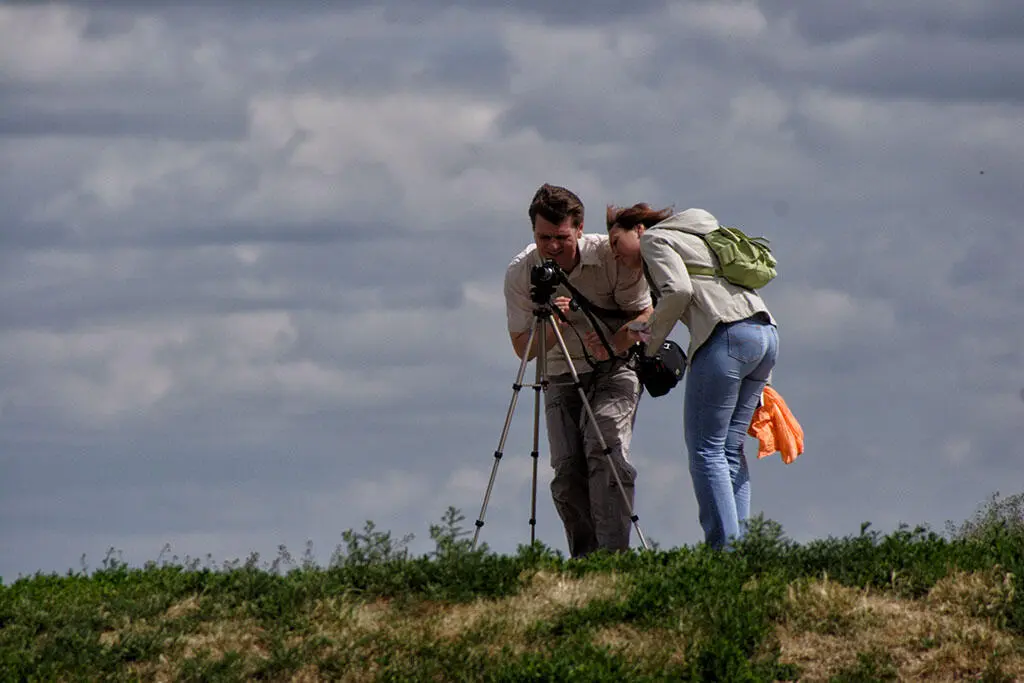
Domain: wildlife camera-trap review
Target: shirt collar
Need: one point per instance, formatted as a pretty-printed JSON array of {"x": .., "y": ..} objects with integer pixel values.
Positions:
[{"x": 589, "y": 252}]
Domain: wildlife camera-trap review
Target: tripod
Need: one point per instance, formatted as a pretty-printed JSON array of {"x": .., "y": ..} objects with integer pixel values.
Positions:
[{"x": 542, "y": 316}]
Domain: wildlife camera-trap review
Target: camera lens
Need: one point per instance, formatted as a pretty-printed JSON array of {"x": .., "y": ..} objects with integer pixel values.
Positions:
[{"x": 544, "y": 274}]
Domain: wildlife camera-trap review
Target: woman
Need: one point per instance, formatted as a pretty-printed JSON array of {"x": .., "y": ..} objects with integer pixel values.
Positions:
[{"x": 733, "y": 348}]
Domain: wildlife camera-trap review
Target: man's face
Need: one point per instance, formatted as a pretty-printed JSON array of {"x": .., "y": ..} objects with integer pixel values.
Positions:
[{"x": 557, "y": 241}]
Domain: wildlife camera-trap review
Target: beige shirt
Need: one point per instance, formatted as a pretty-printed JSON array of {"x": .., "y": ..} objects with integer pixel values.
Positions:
[
  {"x": 699, "y": 301},
  {"x": 597, "y": 276}
]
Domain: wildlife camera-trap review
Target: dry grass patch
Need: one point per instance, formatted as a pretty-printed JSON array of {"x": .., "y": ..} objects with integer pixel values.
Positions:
[
  {"x": 141, "y": 626},
  {"x": 217, "y": 638},
  {"x": 829, "y": 608},
  {"x": 546, "y": 595},
  {"x": 649, "y": 644},
  {"x": 183, "y": 608},
  {"x": 509, "y": 619},
  {"x": 937, "y": 638},
  {"x": 346, "y": 616},
  {"x": 367, "y": 628},
  {"x": 979, "y": 594},
  {"x": 220, "y": 637}
]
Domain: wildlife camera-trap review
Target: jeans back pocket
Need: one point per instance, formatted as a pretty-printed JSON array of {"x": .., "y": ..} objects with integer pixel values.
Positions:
[{"x": 746, "y": 341}]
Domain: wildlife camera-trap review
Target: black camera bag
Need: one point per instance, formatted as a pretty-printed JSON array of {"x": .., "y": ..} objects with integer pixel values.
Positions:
[{"x": 662, "y": 371}]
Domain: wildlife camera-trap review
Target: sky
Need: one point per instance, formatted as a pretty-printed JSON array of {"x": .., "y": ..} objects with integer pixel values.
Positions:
[{"x": 251, "y": 258}]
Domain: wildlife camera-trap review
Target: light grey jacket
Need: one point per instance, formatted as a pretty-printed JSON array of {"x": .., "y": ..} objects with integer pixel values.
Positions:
[{"x": 700, "y": 301}]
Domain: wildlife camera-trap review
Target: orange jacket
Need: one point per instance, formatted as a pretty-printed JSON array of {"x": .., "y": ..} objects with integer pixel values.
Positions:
[{"x": 775, "y": 427}]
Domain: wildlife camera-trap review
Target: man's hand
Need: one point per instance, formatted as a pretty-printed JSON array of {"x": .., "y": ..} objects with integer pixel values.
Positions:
[
  {"x": 562, "y": 303},
  {"x": 519, "y": 339}
]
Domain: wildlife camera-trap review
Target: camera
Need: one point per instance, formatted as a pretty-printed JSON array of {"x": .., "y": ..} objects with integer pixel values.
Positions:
[
  {"x": 547, "y": 274},
  {"x": 544, "y": 278}
]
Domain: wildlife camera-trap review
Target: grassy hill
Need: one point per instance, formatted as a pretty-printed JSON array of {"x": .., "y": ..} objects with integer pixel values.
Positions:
[{"x": 910, "y": 605}]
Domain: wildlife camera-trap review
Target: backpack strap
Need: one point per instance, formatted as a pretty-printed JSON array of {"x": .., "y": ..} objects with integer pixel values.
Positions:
[
  {"x": 702, "y": 270},
  {"x": 708, "y": 271}
]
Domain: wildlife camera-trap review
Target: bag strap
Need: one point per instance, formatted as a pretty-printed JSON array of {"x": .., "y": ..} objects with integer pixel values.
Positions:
[
  {"x": 650, "y": 283},
  {"x": 591, "y": 361},
  {"x": 587, "y": 307}
]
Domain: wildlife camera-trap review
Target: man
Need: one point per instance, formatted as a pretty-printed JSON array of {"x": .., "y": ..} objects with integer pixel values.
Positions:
[{"x": 583, "y": 488}]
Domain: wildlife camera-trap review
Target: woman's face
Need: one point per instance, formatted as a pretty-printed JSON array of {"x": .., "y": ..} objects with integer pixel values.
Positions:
[{"x": 625, "y": 245}]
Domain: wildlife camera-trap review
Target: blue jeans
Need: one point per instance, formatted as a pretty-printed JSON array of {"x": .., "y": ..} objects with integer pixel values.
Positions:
[{"x": 723, "y": 387}]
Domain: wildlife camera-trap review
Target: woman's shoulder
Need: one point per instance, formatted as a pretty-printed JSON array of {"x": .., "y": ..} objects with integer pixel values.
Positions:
[{"x": 687, "y": 245}]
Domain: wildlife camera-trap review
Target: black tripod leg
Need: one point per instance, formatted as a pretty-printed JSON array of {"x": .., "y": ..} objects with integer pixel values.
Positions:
[
  {"x": 600, "y": 437},
  {"x": 504, "y": 432}
]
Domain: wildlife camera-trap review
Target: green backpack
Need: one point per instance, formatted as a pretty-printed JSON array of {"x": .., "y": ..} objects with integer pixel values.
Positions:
[{"x": 742, "y": 260}]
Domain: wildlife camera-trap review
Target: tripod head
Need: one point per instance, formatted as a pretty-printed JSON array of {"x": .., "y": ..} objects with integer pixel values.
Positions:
[{"x": 544, "y": 279}]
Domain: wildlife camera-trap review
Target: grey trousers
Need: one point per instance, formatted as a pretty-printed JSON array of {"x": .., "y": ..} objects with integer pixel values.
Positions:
[{"x": 584, "y": 490}]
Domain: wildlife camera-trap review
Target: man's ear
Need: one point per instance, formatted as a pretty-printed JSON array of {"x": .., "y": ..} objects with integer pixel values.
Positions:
[{"x": 640, "y": 228}]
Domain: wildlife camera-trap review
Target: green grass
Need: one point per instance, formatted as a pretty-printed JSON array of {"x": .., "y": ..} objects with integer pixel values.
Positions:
[{"x": 912, "y": 604}]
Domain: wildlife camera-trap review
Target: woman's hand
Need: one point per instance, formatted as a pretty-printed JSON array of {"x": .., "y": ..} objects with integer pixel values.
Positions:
[
  {"x": 638, "y": 331},
  {"x": 594, "y": 346}
]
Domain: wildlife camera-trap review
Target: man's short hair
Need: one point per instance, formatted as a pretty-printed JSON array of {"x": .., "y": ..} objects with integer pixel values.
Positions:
[{"x": 555, "y": 204}]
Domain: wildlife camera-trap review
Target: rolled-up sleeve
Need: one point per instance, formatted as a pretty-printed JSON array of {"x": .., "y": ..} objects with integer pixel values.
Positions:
[
  {"x": 675, "y": 290},
  {"x": 518, "y": 305}
]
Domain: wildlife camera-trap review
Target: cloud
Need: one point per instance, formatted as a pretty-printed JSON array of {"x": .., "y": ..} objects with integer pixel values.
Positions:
[
  {"x": 819, "y": 317},
  {"x": 222, "y": 120},
  {"x": 928, "y": 51},
  {"x": 987, "y": 19},
  {"x": 251, "y": 256},
  {"x": 66, "y": 77}
]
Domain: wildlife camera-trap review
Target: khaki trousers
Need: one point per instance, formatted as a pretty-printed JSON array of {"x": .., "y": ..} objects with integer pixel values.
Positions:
[{"x": 584, "y": 490}]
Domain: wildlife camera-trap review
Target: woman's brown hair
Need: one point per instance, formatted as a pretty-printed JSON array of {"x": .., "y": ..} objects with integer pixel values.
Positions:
[{"x": 629, "y": 218}]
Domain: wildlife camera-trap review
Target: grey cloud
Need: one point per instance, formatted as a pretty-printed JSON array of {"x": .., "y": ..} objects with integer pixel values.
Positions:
[
  {"x": 424, "y": 61},
  {"x": 135, "y": 102},
  {"x": 970, "y": 55},
  {"x": 408, "y": 11},
  {"x": 103, "y": 23},
  {"x": 290, "y": 276},
  {"x": 557, "y": 13},
  {"x": 952, "y": 71},
  {"x": 821, "y": 23},
  {"x": 925, "y": 50},
  {"x": 20, "y": 234},
  {"x": 573, "y": 120},
  {"x": 897, "y": 217},
  {"x": 226, "y": 448},
  {"x": 991, "y": 255},
  {"x": 146, "y": 117}
]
